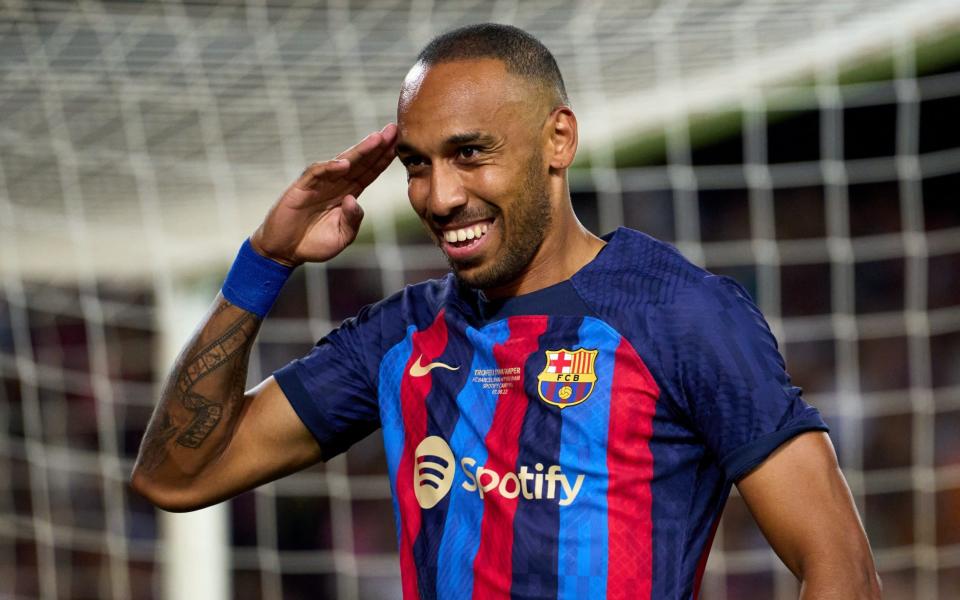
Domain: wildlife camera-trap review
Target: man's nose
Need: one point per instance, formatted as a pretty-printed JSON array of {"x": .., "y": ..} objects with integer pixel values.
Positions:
[{"x": 446, "y": 191}]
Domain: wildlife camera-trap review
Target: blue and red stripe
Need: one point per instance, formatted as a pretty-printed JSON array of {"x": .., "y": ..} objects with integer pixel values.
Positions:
[
  {"x": 442, "y": 417},
  {"x": 583, "y": 524},
  {"x": 391, "y": 417},
  {"x": 633, "y": 402},
  {"x": 468, "y": 546},
  {"x": 537, "y": 522},
  {"x": 461, "y": 534},
  {"x": 428, "y": 344},
  {"x": 492, "y": 567}
]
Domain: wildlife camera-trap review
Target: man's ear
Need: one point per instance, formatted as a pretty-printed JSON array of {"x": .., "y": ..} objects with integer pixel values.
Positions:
[{"x": 562, "y": 136}]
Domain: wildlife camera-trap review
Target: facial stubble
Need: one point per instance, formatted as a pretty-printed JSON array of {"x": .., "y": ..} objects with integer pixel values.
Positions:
[{"x": 523, "y": 229}]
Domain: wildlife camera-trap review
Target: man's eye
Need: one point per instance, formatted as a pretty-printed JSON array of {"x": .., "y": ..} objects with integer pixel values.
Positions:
[
  {"x": 412, "y": 161},
  {"x": 468, "y": 152}
]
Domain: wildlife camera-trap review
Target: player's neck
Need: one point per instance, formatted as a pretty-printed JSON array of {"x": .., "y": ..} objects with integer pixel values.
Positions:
[{"x": 566, "y": 249}]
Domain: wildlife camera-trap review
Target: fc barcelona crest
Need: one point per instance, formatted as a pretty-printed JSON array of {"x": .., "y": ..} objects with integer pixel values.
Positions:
[{"x": 568, "y": 377}]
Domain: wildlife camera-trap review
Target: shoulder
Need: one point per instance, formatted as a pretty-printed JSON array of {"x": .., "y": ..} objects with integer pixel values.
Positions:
[
  {"x": 665, "y": 305},
  {"x": 416, "y": 304},
  {"x": 638, "y": 272},
  {"x": 361, "y": 341}
]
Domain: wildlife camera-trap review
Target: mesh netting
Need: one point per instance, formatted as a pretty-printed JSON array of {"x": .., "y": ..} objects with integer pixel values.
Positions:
[{"x": 807, "y": 149}]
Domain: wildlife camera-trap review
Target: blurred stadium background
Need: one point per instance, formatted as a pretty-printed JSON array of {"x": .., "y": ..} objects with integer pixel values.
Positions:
[{"x": 809, "y": 148}]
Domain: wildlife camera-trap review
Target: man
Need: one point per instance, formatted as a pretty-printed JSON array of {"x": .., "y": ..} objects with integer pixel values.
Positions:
[{"x": 563, "y": 415}]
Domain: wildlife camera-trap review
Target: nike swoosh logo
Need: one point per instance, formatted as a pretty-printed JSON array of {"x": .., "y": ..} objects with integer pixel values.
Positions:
[{"x": 419, "y": 370}]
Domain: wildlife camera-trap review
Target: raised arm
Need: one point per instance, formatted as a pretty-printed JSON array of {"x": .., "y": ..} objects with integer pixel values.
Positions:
[
  {"x": 208, "y": 440},
  {"x": 804, "y": 508}
]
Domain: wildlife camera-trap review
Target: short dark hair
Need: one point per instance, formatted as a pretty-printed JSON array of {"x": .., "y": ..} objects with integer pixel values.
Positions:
[{"x": 520, "y": 52}]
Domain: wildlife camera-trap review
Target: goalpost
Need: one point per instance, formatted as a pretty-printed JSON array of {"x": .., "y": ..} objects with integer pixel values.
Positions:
[
  {"x": 196, "y": 546},
  {"x": 803, "y": 148}
]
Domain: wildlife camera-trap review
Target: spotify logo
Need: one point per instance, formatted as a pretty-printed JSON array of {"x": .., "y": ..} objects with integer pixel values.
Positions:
[{"x": 433, "y": 471}]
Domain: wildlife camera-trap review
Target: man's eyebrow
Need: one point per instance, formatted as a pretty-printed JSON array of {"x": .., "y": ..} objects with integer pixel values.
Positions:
[
  {"x": 468, "y": 137},
  {"x": 457, "y": 139},
  {"x": 403, "y": 148}
]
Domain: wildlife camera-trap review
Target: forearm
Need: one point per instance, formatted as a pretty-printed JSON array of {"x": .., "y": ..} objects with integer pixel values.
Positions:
[
  {"x": 200, "y": 403},
  {"x": 199, "y": 446}
]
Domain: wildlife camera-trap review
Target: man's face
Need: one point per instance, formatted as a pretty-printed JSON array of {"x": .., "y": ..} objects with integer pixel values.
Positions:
[{"x": 470, "y": 136}]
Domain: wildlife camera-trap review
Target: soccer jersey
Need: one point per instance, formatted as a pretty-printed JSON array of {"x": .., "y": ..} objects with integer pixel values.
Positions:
[{"x": 575, "y": 442}]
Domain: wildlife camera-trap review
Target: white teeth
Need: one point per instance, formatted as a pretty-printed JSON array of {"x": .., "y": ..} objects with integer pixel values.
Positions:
[{"x": 467, "y": 233}]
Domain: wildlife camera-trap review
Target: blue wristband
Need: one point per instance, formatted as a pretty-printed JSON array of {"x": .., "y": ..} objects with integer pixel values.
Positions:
[{"x": 254, "y": 281}]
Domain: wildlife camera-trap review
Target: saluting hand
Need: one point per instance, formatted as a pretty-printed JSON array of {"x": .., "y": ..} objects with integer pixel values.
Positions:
[{"x": 318, "y": 216}]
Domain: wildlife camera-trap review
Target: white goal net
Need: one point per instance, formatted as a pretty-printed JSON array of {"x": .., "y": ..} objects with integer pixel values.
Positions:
[{"x": 807, "y": 148}]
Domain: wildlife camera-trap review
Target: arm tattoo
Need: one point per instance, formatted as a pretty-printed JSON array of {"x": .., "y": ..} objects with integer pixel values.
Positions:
[
  {"x": 206, "y": 416},
  {"x": 208, "y": 384},
  {"x": 155, "y": 442},
  {"x": 221, "y": 352}
]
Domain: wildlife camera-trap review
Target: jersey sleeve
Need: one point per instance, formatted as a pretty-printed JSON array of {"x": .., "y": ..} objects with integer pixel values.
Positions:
[
  {"x": 731, "y": 383},
  {"x": 333, "y": 388}
]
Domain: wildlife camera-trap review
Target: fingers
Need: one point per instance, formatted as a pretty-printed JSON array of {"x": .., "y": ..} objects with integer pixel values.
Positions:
[
  {"x": 367, "y": 177},
  {"x": 315, "y": 174},
  {"x": 352, "y": 214},
  {"x": 363, "y": 174},
  {"x": 354, "y": 168},
  {"x": 369, "y": 149}
]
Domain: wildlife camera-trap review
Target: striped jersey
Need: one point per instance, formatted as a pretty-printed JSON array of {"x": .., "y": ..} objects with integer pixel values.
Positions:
[{"x": 575, "y": 442}]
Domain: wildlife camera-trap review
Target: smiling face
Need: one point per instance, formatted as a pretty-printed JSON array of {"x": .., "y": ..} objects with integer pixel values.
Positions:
[{"x": 471, "y": 136}]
